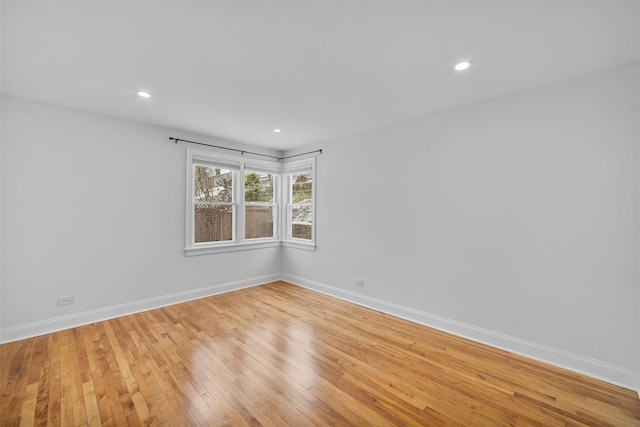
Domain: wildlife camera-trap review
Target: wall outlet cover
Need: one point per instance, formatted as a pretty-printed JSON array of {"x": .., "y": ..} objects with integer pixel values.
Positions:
[{"x": 66, "y": 300}]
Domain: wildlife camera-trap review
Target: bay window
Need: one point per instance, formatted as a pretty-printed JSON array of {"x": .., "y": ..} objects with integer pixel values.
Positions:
[{"x": 235, "y": 203}]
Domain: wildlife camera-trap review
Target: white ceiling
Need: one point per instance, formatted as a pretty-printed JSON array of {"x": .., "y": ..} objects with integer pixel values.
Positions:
[{"x": 318, "y": 70}]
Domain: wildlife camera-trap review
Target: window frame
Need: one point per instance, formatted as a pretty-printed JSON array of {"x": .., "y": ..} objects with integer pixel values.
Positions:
[
  {"x": 233, "y": 204},
  {"x": 238, "y": 165},
  {"x": 289, "y": 169},
  {"x": 275, "y": 205}
]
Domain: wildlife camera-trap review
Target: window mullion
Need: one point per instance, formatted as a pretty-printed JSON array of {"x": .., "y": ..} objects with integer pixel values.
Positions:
[
  {"x": 241, "y": 206},
  {"x": 276, "y": 207}
]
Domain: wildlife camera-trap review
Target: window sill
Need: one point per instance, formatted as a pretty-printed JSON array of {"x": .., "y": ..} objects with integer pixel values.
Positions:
[
  {"x": 230, "y": 247},
  {"x": 246, "y": 246},
  {"x": 299, "y": 245}
]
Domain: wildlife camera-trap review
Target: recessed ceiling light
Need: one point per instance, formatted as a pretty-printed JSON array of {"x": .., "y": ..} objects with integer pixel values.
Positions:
[
  {"x": 277, "y": 130},
  {"x": 462, "y": 65},
  {"x": 143, "y": 94}
]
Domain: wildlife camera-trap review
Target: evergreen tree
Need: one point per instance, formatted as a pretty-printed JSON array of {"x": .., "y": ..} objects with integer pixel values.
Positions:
[{"x": 253, "y": 188}]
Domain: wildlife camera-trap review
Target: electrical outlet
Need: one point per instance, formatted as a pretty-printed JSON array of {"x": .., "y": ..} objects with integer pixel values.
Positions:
[
  {"x": 66, "y": 300},
  {"x": 359, "y": 282}
]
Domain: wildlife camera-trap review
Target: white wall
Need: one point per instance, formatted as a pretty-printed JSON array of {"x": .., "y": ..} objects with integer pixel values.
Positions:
[
  {"x": 95, "y": 207},
  {"x": 517, "y": 217},
  {"x": 517, "y": 220}
]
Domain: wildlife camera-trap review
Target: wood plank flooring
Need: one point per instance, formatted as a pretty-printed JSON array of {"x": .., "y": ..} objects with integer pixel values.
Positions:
[{"x": 277, "y": 355}]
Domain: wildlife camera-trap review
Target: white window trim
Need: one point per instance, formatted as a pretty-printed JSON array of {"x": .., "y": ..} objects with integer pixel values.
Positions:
[
  {"x": 276, "y": 171},
  {"x": 239, "y": 243},
  {"x": 291, "y": 168}
]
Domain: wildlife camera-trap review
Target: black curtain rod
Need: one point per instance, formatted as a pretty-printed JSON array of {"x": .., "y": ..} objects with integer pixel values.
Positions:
[{"x": 243, "y": 152}]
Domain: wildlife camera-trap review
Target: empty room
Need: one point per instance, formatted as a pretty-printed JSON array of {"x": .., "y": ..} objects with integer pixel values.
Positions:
[{"x": 345, "y": 213}]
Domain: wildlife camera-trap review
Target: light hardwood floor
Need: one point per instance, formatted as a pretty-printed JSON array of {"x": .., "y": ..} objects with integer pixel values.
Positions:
[{"x": 278, "y": 354}]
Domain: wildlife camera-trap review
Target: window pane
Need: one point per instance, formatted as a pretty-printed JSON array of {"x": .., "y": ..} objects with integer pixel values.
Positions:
[
  {"x": 258, "y": 187},
  {"x": 258, "y": 222},
  {"x": 212, "y": 184},
  {"x": 213, "y": 223},
  {"x": 301, "y": 186},
  {"x": 301, "y": 222}
]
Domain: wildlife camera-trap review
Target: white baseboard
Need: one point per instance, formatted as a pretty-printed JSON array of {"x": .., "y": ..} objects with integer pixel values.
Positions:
[
  {"x": 583, "y": 365},
  {"x": 594, "y": 368},
  {"x": 28, "y": 330}
]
